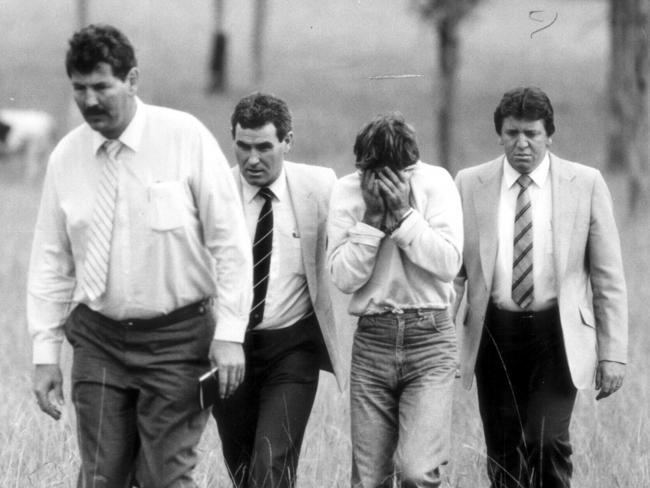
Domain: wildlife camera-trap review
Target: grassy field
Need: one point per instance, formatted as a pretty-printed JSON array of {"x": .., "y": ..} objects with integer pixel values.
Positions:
[{"x": 321, "y": 57}]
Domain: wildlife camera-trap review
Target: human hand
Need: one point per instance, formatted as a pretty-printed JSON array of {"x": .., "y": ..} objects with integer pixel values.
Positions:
[
  {"x": 609, "y": 378},
  {"x": 229, "y": 358},
  {"x": 48, "y": 387},
  {"x": 375, "y": 206},
  {"x": 395, "y": 188}
]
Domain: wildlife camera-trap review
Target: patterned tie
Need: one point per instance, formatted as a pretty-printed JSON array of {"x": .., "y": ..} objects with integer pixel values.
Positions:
[
  {"x": 522, "y": 255},
  {"x": 101, "y": 225},
  {"x": 262, "y": 247}
]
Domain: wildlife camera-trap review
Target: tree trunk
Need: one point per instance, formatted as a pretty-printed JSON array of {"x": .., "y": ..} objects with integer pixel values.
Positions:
[
  {"x": 82, "y": 13},
  {"x": 217, "y": 82},
  {"x": 448, "y": 47},
  {"x": 259, "y": 23},
  {"x": 629, "y": 128}
]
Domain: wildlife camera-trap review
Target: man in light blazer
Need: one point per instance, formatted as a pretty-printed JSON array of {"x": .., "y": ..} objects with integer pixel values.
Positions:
[
  {"x": 546, "y": 309},
  {"x": 291, "y": 332}
]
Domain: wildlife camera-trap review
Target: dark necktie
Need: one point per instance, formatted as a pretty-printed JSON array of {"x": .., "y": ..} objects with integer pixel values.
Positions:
[
  {"x": 522, "y": 255},
  {"x": 262, "y": 247}
]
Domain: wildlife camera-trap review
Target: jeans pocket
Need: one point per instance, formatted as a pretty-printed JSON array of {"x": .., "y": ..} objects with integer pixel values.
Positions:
[{"x": 437, "y": 322}]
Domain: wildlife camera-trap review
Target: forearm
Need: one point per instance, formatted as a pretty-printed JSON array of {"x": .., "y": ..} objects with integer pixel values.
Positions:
[
  {"x": 607, "y": 279},
  {"x": 432, "y": 249},
  {"x": 352, "y": 255},
  {"x": 51, "y": 278},
  {"x": 234, "y": 292}
]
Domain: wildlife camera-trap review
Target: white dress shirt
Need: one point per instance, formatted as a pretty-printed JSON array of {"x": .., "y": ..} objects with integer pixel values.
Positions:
[
  {"x": 287, "y": 296},
  {"x": 178, "y": 234},
  {"x": 543, "y": 269},
  {"x": 415, "y": 265}
]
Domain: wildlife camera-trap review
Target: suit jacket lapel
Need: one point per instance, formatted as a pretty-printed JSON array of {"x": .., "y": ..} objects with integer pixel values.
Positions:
[
  {"x": 565, "y": 200},
  {"x": 487, "y": 215}
]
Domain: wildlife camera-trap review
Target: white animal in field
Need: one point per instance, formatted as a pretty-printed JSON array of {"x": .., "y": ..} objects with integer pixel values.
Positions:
[{"x": 27, "y": 136}]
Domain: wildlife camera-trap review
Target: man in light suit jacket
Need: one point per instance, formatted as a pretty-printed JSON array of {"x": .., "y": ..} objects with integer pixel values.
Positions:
[
  {"x": 291, "y": 332},
  {"x": 546, "y": 306}
]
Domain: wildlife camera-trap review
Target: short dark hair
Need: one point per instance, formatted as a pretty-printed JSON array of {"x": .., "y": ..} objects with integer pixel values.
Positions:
[
  {"x": 258, "y": 109},
  {"x": 100, "y": 43},
  {"x": 387, "y": 140},
  {"x": 525, "y": 103}
]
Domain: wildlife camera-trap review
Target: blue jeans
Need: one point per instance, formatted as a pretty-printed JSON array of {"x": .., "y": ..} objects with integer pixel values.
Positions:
[{"x": 401, "y": 383}]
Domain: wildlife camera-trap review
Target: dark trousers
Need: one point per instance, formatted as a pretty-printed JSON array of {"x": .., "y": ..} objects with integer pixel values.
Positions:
[
  {"x": 262, "y": 424},
  {"x": 526, "y": 398},
  {"x": 134, "y": 390}
]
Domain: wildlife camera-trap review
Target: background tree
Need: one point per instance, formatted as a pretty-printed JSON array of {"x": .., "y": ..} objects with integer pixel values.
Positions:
[
  {"x": 445, "y": 17},
  {"x": 629, "y": 130},
  {"x": 217, "y": 81},
  {"x": 257, "y": 45}
]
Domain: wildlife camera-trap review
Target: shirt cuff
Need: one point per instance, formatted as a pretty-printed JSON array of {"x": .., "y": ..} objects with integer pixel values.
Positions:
[
  {"x": 46, "y": 352},
  {"x": 366, "y": 234},
  {"x": 230, "y": 329},
  {"x": 406, "y": 232}
]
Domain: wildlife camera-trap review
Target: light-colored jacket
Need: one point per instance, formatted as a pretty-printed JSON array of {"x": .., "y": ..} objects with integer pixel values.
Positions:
[
  {"x": 586, "y": 252},
  {"x": 310, "y": 188}
]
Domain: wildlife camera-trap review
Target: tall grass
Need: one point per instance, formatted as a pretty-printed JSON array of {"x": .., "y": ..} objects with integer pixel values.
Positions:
[{"x": 320, "y": 57}]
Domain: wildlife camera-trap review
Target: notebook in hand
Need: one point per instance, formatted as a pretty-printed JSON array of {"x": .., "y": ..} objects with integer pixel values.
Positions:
[{"x": 208, "y": 388}]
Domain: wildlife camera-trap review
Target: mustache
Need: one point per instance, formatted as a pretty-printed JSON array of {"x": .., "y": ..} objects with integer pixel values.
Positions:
[{"x": 89, "y": 112}]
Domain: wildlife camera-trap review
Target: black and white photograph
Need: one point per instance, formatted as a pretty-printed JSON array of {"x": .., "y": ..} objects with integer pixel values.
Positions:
[{"x": 324, "y": 244}]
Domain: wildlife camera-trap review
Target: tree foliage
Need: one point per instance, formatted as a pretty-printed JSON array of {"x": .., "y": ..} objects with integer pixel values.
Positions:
[{"x": 443, "y": 10}]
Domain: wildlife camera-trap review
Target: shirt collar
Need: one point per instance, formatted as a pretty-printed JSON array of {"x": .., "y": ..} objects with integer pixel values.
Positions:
[
  {"x": 132, "y": 135},
  {"x": 278, "y": 187},
  {"x": 539, "y": 175}
]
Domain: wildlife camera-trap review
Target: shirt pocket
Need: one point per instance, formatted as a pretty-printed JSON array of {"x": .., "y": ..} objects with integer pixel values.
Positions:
[{"x": 167, "y": 203}]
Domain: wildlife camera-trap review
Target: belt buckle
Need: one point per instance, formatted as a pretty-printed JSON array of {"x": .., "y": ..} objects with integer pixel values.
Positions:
[{"x": 526, "y": 318}]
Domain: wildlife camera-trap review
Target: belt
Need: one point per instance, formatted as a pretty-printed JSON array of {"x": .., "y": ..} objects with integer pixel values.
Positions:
[
  {"x": 407, "y": 311},
  {"x": 526, "y": 318},
  {"x": 187, "y": 312}
]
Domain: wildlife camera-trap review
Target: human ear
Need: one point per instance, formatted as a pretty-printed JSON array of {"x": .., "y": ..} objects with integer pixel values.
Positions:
[
  {"x": 288, "y": 141},
  {"x": 133, "y": 77}
]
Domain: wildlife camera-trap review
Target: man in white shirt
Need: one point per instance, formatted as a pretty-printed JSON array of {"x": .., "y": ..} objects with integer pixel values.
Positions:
[
  {"x": 291, "y": 330},
  {"x": 395, "y": 240},
  {"x": 546, "y": 300},
  {"x": 138, "y": 211}
]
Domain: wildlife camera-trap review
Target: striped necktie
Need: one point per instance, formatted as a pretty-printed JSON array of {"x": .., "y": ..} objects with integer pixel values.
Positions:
[
  {"x": 101, "y": 225},
  {"x": 262, "y": 247},
  {"x": 522, "y": 255}
]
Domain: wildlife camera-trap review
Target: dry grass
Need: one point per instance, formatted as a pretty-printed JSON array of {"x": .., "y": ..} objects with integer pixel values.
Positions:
[{"x": 320, "y": 56}]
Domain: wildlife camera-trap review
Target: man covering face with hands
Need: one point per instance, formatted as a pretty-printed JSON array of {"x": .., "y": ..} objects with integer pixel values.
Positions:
[{"x": 395, "y": 243}]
